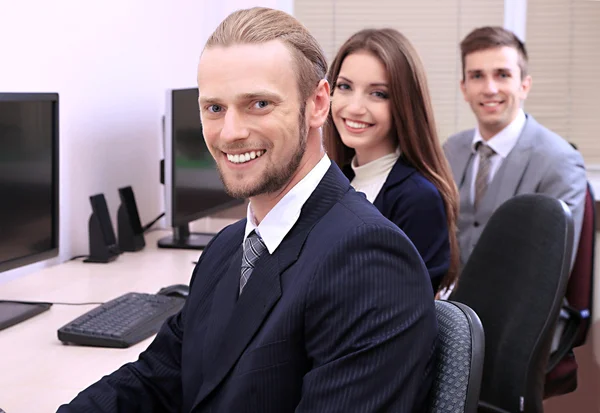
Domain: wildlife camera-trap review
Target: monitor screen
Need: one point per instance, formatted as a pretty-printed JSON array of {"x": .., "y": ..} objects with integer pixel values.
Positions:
[
  {"x": 197, "y": 190},
  {"x": 28, "y": 178}
]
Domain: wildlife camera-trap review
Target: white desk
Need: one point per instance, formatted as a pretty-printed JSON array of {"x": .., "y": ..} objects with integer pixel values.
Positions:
[{"x": 37, "y": 372}]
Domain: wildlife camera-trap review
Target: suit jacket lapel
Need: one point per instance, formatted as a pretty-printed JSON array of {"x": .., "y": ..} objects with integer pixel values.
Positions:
[
  {"x": 508, "y": 177},
  {"x": 400, "y": 171},
  {"x": 223, "y": 305},
  {"x": 461, "y": 159},
  {"x": 260, "y": 294},
  {"x": 235, "y": 326}
]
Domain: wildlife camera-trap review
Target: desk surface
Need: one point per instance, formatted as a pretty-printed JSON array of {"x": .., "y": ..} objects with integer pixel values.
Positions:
[{"x": 38, "y": 372}]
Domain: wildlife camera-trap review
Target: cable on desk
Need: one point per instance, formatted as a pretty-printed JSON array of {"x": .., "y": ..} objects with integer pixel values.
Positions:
[
  {"x": 147, "y": 227},
  {"x": 78, "y": 256},
  {"x": 47, "y": 302}
]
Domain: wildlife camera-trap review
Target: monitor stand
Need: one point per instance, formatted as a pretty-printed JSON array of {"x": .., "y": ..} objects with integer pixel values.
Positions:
[{"x": 182, "y": 238}]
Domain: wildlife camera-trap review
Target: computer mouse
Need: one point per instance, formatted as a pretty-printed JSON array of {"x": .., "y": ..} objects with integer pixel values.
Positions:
[{"x": 175, "y": 290}]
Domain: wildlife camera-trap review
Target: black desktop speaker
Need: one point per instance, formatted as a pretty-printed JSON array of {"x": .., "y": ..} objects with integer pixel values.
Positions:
[
  {"x": 103, "y": 243},
  {"x": 129, "y": 226}
]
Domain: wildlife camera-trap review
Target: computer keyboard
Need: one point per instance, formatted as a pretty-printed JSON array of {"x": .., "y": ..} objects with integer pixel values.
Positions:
[{"x": 121, "y": 322}]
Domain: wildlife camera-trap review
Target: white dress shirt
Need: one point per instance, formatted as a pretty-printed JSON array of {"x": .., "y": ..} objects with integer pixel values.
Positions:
[
  {"x": 280, "y": 220},
  {"x": 370, "y": 177},
  {"x": 502, "y": 143}
]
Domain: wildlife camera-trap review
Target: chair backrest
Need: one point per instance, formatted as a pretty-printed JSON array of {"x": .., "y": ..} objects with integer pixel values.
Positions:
[
  {"x": 459, "y": 359},
  {"x": 580, "y": 288},
  {"x": 515, "y": 280},
  {"x": 562, "y": 375}
]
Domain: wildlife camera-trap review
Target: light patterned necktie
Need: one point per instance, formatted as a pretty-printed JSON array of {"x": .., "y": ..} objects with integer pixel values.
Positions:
[
  {"x": 483, "y": 172},
  {"x": 253, "y": 248}
]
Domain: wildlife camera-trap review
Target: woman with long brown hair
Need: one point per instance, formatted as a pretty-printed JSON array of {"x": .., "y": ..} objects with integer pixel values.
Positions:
[{"x": 382, "y": 133}]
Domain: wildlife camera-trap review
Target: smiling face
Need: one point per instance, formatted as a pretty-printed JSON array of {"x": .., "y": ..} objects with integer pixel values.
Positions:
[
  {"x": 494, "y": 88},
  {"x": 361, "y": 109},
  {"x": 252, "y": 119}
]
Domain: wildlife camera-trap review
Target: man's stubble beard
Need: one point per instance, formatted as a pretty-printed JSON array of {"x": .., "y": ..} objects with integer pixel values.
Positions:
[{"x": 274, "y": 178}]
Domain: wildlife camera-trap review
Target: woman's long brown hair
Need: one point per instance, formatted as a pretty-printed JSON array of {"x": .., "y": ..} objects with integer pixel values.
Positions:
[{"x": 412, "y": 120}]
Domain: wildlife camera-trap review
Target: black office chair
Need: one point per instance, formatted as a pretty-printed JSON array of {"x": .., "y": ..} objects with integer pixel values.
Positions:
[
  {"x": 515, "y": 280},
  {"x": 459, "y": 360},
  {"x": 561, "y": 377}
]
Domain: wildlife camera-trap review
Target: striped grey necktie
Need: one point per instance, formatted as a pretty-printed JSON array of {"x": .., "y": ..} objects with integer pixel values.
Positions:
[
  {"x": 253, "y": 248},
  {"x": 483, "y": 172}
]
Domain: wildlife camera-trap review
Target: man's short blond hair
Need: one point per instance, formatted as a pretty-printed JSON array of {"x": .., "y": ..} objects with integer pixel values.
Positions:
[{"x": 260, "y": 25}]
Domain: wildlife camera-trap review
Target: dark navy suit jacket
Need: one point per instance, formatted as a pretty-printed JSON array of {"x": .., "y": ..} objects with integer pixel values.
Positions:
[
  {"x": 412, "y": 202},
  {"x": 340, "y": 318}
]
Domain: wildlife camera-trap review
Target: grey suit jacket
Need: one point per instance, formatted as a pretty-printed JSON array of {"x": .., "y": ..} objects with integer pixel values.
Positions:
[{"x": 541, "y": 162}]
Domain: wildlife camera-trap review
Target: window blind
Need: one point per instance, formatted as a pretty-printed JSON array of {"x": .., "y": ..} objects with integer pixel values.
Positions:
[
  {"x": 563, "y": 42},
  {"x": 435, "y": 27}
]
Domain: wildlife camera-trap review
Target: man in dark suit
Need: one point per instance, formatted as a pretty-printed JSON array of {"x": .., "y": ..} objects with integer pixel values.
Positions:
[{"x": 315, "y": 302}]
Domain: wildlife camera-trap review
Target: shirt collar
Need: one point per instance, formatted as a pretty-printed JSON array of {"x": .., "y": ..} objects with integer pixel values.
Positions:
[
  {"x": 505, "y": 140},
  {"x": 282, "y": 217}
]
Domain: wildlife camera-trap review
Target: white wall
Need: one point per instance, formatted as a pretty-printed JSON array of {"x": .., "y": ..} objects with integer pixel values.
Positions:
[
  {"x": 216, "y": 12},
  {"x": 111, "y": 62},
  {"x": 515, "y": 17}
]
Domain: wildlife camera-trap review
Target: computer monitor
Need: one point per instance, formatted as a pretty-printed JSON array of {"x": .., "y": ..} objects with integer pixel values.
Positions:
[
  {"x": 28, "y": 178},
  {"x": 193, "y": 188}
]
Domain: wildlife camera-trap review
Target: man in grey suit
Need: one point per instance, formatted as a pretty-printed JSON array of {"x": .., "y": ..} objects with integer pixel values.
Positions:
[{"x": 509, "y": 153}]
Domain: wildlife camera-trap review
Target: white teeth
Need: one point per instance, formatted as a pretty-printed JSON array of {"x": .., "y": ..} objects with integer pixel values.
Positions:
[
  {"x": 356, "y": 125},
  {"x": 244, "y": 157},
  {"x": 491, "y": 104}
]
